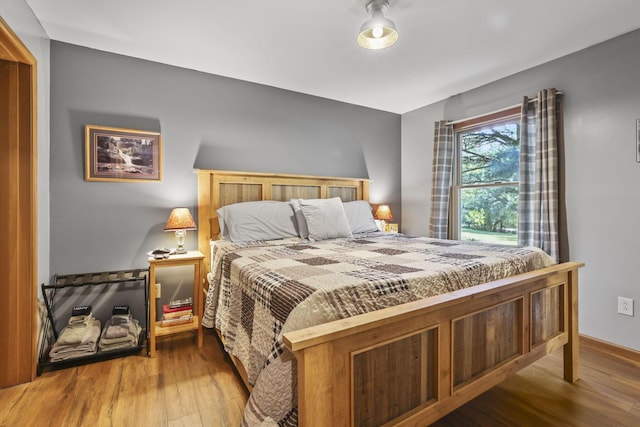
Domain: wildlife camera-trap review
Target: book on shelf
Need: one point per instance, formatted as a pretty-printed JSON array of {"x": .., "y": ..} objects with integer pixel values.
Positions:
[
  {"x": 178, "y": 320},
  {"x": 181, "y": 303},
  {"x": 166, "y": 309},
  {"x": 174, "y": 314}
]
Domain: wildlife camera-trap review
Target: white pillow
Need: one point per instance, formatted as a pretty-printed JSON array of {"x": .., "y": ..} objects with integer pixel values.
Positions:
[
  {"x": 261, "y": 220},
  {"x": 360, "y": 216},
  {"x": 325, "y": 218},
  {"x": 303, "y": 230}
]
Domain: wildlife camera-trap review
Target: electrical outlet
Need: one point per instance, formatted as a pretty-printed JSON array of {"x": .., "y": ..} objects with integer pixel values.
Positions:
[
  {"x": 625, "y": 306},
  {"x": 158, "y": 290}
]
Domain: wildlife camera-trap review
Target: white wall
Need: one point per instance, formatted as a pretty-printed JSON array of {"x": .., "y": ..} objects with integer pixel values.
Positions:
[
  {"x": 18, "y": 15},
  {"x": 602, "y": 103}
]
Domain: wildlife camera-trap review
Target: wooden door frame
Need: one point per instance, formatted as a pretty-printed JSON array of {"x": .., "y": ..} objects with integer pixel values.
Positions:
[{"x": 21, "y": 277}]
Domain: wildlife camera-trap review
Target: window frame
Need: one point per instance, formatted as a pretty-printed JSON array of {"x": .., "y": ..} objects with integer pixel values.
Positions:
[{"x": 508, "y": 115}]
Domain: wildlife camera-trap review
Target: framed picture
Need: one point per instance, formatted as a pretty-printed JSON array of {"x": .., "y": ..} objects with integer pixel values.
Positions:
[
  {"x": 391, "y": 228},
  {"x": 125, "y": 155}
]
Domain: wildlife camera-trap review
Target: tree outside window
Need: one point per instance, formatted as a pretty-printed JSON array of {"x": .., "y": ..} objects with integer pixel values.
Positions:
[{"x": 487, "y": 182}]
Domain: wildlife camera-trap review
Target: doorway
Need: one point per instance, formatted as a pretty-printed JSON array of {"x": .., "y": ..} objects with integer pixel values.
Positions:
[{"x": 18, "y": 208}]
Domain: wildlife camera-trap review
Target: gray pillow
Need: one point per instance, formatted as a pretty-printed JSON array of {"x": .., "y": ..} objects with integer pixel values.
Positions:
[
  {"x": 325, "y": 218},
  {"x": 360, "y": 216},
  {"x": 303, "y": 230},
  {"x": 261, "y": 220}
]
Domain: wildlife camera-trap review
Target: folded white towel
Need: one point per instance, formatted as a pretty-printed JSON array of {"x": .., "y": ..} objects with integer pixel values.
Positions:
[
  {"x": 121, "y": 319},
  {"x": 63, "y": 350},
  {"x": 80, "y": 321},
  {"x": 79, "y": 335},
  {"x": 115, "y": 331},
  {"x": 128, "y": 341}
]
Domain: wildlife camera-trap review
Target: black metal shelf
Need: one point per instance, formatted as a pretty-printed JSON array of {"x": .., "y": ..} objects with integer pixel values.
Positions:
[{"x": 79, "y": 281}]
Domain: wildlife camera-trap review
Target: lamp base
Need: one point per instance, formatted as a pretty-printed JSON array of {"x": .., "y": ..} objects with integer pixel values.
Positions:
[{"x": 180, "y": 236}]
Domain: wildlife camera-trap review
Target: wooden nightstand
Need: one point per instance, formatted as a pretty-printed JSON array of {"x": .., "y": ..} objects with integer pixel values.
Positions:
[{"x": 194, "y": 258}]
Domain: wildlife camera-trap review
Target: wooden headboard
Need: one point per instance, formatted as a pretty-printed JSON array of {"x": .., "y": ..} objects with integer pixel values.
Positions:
[{"x": 220, "y": 188}]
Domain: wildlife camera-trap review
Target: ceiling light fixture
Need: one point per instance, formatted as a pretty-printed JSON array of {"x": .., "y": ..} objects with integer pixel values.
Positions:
[{"x": 377, "y": 32}]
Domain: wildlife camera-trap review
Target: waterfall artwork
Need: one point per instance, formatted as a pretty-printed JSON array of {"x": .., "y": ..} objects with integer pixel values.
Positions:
[{"x": 114, "y": 154}]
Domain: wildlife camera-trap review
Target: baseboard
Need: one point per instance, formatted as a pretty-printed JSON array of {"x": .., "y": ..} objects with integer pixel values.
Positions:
[{"x": 607, "y": 347}]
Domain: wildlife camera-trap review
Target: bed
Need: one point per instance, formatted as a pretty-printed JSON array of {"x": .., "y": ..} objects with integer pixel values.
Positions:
[{"x": 397, "y": 354}]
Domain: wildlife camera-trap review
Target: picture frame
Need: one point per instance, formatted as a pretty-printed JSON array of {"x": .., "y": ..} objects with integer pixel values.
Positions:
[
  {"x": 122, "y": 155},
  {"x": 391, "y": 228}
]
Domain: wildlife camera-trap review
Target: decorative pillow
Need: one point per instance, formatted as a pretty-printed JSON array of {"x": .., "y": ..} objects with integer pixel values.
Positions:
[
  {"x": 325, "y": 218},
  {"x": 360, "y": 216},
  {"x": 303, "y": 230},
  {"x": 261, "y": 220}
]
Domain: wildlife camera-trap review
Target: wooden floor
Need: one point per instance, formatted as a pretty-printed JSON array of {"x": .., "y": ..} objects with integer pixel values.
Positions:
[
  {"x": 187, "y": 386},
  {"x": 182, "y": 386}
]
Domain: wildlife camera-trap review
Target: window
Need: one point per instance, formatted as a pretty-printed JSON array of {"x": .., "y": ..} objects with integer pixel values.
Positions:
[{"x": 486, "y": 179}]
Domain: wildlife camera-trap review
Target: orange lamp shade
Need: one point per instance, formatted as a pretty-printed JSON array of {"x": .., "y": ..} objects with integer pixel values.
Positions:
[
  {"x": 383, "y": 212},
  {"x": 180, "y": 219}
]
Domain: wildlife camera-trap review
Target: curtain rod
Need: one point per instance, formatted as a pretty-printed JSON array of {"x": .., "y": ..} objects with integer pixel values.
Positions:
[{"x": 455, "y": 122}]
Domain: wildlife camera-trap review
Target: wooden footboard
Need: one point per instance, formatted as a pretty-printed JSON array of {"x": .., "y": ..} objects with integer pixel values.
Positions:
[{"x": 412, "y": 364}]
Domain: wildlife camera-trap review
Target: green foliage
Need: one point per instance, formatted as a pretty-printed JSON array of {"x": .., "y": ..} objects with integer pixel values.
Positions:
[
  {"x": 474, "y": 218},
  {"x": 490, "y": 209},
  {"x": 490, "y": 156}
]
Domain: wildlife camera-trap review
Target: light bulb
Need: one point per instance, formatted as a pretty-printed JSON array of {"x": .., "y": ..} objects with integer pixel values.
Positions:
[{"x": 377, "y": 32}]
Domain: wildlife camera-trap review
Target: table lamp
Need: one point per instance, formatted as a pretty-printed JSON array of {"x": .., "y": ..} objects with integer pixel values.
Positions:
[
  {"x": 383, "y": 214},
  {"x": 180, "y": 220}
]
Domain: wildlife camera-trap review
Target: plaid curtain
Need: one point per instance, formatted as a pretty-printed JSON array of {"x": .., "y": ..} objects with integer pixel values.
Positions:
[
  {"x": 442, "y": 175},
  {"x": 527, "y": 172},
  {"x": 538, "y": 206}
]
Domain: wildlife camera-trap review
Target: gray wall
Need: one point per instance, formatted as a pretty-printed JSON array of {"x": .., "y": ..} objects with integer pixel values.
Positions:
[
  {"x": 206, "y": 121},
  {"x": 18, "y": 15},
  {"x": 602, "y": 103}
]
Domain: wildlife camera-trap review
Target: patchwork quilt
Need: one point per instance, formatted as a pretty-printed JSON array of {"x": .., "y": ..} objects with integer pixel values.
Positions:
[{"x": 260, "y": 290}]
